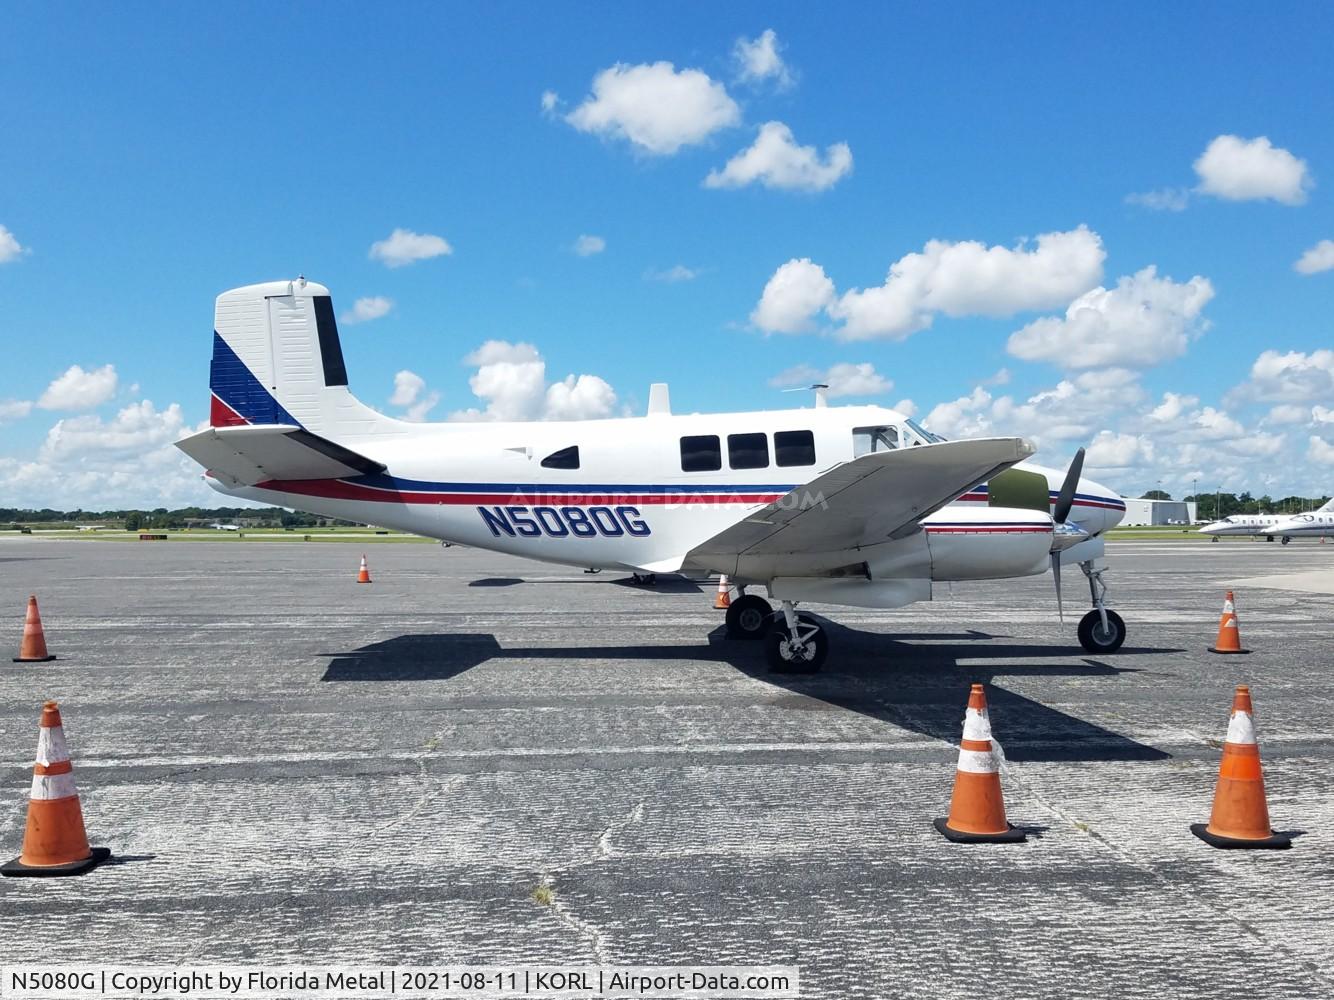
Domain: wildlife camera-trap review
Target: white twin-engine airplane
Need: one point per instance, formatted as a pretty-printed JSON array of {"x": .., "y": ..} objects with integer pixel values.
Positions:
[
  {"x": 1315, "y": 524},
  {"x": 851, "y": 505}
]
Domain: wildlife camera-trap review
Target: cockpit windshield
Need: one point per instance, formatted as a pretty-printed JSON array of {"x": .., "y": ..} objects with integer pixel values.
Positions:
[{"x": 922, "y": 432}]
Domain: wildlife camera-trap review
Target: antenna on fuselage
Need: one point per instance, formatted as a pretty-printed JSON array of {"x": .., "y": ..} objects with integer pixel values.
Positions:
[
  {"x": 821, "y": 393},
  {"x": 659, "y": 400}
]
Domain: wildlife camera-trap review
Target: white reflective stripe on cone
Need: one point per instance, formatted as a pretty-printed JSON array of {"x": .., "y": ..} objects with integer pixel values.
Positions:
[
  {"x": 52, "y": 786},
  {"x": 51, "y": 747},
  {"x": 1240, "y": 728},
  {"x": 1228, "y": 608},
  {"x": 978, "y": 761},
  {"x": 976, "y": 725}
]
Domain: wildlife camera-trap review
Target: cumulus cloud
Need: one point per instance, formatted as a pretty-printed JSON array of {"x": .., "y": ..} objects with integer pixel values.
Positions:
[
  {"x": 9, "y": 246},
  {"x": 80, "y": 390},
  {"x": 550, "y": 100},
  {"x": 1252, "y": 169},
  {"x": 776, "y": 161},
  {"x": 14, "y": 409},
  {"x": 1141, "y": 322},
  {"x": 843, "y": 379},
  {"x": 957, "y": 279},
  {"x": 1173, "y": 405},
  {"x": 655, "y": 107},
  {"x": 1293, "y": 377},
  {"x": 511, "y": 380},
  {"x": 1322, "y": 415},
  {"x": 760, "y": 59},
  {"x": 1287, "y": 413},
  {"x": 672, "y": 275},
  {"x": 1161, "y": 200},
  {"x": 126, "y": 461},
  {"x": 403, "y": 247},
  {"x": 407, "y": 387},
  {"x": 410, "y": 393},
  {"x": 1110, "y": 451},
  {"x": 1319, "y": 258},
  {"x": 792, "y": 297},
  {"x": 1320, "y": 450},
  {"x": 587, "y": 246},
  {"x": 366, "y": 309}
]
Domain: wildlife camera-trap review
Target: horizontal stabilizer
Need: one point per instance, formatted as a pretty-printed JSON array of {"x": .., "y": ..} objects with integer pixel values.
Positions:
[{"x": 251, "y": 454}]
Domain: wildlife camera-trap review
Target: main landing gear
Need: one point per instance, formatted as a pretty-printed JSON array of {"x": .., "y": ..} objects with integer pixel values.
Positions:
[
  {"x": 793, "y": 643},
  {"x": 1101, "y": 630}
]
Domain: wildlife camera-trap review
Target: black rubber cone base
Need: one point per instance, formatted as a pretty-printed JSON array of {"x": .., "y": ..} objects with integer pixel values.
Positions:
[
  {"x": 16, "y": 869},
  {"x": 1227, "y": 652},
  {"x": 1013, "y": 835},
  {"x": 1274, "y": 842},
  {"x": 33, "y": 659}
]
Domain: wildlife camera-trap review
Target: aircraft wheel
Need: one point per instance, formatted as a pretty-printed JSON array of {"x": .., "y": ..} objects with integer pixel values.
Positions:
[
  {"x": 786, "y": 657},
  {"x": 1095, "y": 639},
  {"x": 749, "y": 617},
  {"x": 1286, "y": 539}
]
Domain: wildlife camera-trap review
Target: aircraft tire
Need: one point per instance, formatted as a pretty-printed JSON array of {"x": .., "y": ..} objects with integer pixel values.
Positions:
[
  {"x": 749, "y": 617},
  {"x": 778, "y": 651},
  {"x": 1092, "y": 637},
  {"x": 1286, "y": 539}
]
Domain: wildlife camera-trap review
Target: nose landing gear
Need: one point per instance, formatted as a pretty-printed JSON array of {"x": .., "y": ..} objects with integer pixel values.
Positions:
[{"x": 1101, "y": 630}]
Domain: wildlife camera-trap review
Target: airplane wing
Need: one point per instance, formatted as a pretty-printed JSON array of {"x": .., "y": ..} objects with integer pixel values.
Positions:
[
  {"x": 250, "y": 454},
  {"x": 871, "y": 499}
]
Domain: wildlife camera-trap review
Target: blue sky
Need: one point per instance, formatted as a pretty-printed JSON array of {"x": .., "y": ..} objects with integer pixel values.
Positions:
[{"x": 154, "y": 156}]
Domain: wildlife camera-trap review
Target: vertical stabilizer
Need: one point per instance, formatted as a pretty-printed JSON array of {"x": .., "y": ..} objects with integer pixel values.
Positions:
[{"x": 277, "y": 359}]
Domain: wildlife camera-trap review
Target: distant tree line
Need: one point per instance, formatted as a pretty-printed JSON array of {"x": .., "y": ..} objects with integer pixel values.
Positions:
[
  {"x": 161, "y": 517},
  {"x": 1216, "y": 505}
]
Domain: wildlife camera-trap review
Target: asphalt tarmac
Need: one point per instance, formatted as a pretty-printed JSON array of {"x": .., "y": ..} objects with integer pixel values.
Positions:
[{"x": 293, "y": 768}]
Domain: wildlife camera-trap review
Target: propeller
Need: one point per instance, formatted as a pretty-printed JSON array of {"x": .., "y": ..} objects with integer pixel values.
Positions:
[{"x": 1065, "y": 537}]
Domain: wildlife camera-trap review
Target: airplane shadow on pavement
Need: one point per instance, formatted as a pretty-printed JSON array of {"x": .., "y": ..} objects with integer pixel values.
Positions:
[{"x": 911, "y": 680}]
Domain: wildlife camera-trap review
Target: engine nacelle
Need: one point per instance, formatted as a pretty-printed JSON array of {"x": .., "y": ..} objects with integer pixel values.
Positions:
[{"x": 988, "y": 543}]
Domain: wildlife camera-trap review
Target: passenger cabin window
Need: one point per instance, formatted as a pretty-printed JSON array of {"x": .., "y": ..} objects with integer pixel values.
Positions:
[
  {"x": 794, "y": 448},
  {"x": 566, "y": 458},
  {"x": 748, "y": 451},
  {"x": 868, "y": 439},
  {"x": 701, "y": 453}
]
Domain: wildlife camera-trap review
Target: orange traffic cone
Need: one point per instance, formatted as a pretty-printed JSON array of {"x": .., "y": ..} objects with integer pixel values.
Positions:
[
  {"x": 364, "y": 575},
  {"x": 724, "y": 599},
  {"x": 55, "y": 842},
  {"x": 1229, "y": 632},
  {"x": 1240, "y": 816},
  {"x": 33, "y": 647},
  {"x": 977, "y": 808}
]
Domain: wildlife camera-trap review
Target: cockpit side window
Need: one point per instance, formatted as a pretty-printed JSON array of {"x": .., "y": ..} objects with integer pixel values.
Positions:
[
  {"x": 566, "y": 458},
  {"x": 866, "y": 440}
]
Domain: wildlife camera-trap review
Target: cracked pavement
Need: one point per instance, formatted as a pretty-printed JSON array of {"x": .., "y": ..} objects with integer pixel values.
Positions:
[{"x": 292, "y": 768}]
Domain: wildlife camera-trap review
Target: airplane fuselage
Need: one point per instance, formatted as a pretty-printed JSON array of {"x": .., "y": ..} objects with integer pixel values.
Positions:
[{"x": 638, "y": 493}]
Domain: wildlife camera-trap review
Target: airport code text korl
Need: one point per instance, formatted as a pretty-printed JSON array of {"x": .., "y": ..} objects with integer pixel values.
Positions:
[{"x": 78, "y": 982}]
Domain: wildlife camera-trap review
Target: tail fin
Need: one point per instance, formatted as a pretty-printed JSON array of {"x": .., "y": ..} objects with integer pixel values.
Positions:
[
  {"x": 277, "y": 360},
  {"x": 1329, "y": 506}
]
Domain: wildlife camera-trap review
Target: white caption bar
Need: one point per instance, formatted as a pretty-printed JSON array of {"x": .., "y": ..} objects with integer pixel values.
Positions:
[{"x": 206, "y": 982}]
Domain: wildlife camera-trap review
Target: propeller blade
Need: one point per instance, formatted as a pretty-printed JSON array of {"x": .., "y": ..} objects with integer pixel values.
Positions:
[
  {"x": 1056, "y": 577},
  {"x": 1066, "y": 498}
]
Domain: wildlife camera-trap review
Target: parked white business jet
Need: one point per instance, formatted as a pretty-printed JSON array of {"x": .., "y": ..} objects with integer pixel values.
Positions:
[
  {"x": 854, "y": 505},
  {"x": 1316, "y": 524},
  {"x": 1242, "y": 524}
]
